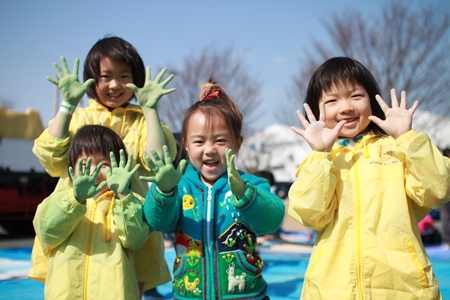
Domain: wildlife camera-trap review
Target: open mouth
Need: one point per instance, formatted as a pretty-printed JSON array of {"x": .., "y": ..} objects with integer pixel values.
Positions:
[{"x": 210, "y": 163}]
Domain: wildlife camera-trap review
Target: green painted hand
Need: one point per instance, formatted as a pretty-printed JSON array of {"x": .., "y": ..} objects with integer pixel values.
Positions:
[
  {"x": 69, "y": 84},
  {"x": 166, "y": 176},
  {"x": 119, "y": 176},
  {"x": 235, "y": 181},
  {"x": 84, "y": 186},
  {"x": 149, "y": 95}
]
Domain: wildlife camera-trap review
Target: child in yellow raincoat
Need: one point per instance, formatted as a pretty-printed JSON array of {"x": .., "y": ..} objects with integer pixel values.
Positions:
[
  {"x": 364, "y": 187},
  {"x": 92, "y": 229},
  {"x": 114, "y": 74}
]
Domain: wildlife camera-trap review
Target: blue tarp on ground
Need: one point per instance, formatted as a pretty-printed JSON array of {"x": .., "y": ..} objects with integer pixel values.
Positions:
[{"x": 283, "y": 271}]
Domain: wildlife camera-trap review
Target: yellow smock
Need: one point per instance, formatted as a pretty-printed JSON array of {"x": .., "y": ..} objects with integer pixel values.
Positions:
[
  {"x": 129, "y": 123},
  {"x": 365, "y": 204}
]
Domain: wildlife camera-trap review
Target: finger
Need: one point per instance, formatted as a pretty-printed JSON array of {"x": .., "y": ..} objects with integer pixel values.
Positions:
[
  {"x": 123, "y": 159},
  {"x": 309, "y": 113},
  {"x": 64, "y": 65},
  {"x": 181, "y": 166},
  {"x": 72, "y": 173},
  {"x": 160, "y": 75},
  {"x": 54, "y": 81},
  {"x": 88, "y": 82},
  {"x": 151, "y": 164},
  {"x": 302, "y": 119},
  {"x": 132, "y": 87},
  {"x": 113, "y": 160},
  {"x": 165, "y": 92},
  {"x": 377, "y": 121},
  {"x": 167, "y": 80},
  {"x": 382, "y": 104},
  {"x": 337, "y": 129},
  {"x": 148, "y": 74},
  {"x": 136, "y": 167},
  {"x": 97, "y": 170},
  {"x": 100, "y": 187},
  {"x": 403, "y": 99},
  {"x": 80, "y": 167},
  {"x": 108, "y": 172},
  {"x": 156, "y": 157},
  {"x": 57, "y": 70},
  {"x": 413, "y": 108},
  {"x": 129, "y": 161},
  {"x": 322, "y": 112},
  {"x": 297, "y": 130},
  {"x": 394, "y": 100},
  {"x": 76, "y": 64},
  {"x": 167, "y": 156},
  {"x": 147, "y": 178}
]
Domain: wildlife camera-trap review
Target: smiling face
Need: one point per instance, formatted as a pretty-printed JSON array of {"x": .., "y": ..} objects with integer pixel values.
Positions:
[
  {"x": 111, "y": 86},
  {"x": 349, "y": 102},
  {"x": 206, "y": 143},
  {"x": 96, "y": 159}
]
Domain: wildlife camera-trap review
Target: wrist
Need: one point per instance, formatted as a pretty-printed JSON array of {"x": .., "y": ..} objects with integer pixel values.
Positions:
[
  {"x": 170, "y": 193},
  {"x": 67, "y": 108}
]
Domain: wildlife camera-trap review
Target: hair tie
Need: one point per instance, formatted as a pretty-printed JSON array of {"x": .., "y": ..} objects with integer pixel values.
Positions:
[{"x": 210, "y": 91}]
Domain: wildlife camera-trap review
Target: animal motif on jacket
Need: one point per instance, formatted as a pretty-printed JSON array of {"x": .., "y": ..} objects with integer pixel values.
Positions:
[
  {"x": 235, "y": 281},
  {"x": 190, "y": 286}
]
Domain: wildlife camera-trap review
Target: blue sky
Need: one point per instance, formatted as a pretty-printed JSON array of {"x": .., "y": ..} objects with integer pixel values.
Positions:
[{"x": 271, "y": 34}]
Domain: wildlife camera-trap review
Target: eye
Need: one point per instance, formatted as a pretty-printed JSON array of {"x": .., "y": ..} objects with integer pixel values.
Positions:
[{"x": 329, "y": 101}]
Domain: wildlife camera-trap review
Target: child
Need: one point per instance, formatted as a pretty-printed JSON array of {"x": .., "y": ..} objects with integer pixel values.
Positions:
[
  {"x": 92, "y": 228},
  {"x": 117, "y": 70},
  {"x": 216, "y": 211},
  {"x": 364, "y": 187}
]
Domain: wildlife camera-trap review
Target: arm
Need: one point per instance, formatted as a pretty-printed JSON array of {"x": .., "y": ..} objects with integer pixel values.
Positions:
[
  {"x": 72, "y": 91},
  {"x": 427, "y": 179},
  {"x": 57, "y": 217},
  {"x": 148, "y": 97},
  {"x": 129, "y": 220},
  {"x": 259, "y": 207},
  {"x": 312, "y": 198},
  {"x": 161, "y": 208}
]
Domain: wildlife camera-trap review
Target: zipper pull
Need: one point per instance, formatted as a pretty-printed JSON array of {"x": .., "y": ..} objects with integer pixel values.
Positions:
[{"x": 209, "y": 195}]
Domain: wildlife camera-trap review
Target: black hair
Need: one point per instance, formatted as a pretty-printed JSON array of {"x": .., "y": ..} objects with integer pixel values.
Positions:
[
  {"x": 94, "y": 139},
  {"x": 340, "y": 70},
  {"x": 118, "y": 49}
]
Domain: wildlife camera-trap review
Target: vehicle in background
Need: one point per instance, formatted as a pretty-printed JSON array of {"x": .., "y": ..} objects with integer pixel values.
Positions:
[{"x": 24, "y": 183}]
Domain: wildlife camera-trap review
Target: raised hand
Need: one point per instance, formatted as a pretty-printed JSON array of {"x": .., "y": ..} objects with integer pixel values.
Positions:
[
  {"x": 119, "y": 176},
  {"x": 69, "y": 84},
  {"x": 398, "y": 118},
  {"x": 316, "y": 133},
  {"x": 166, "y": 176},
  {"x": 235, "y": 181},
  {"x": 149, "y": 95},
  {"x": 84, "y": 186}
]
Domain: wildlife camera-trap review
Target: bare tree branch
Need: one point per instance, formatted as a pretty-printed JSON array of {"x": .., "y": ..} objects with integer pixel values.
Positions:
[{"x": 225, "y": 67}]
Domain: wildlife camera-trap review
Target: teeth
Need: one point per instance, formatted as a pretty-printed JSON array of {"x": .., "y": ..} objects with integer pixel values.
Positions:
[{"x": 210, "y": 161}]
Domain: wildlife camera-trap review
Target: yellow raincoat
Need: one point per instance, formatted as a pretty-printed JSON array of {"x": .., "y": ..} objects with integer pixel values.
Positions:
[
  {"x": 91, "y": 245},
  {"x": 129, "y": 123},
  {"x": 365, "y": 204}
]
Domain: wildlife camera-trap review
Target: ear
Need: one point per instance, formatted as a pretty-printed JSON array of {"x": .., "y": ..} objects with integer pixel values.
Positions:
[
  {"x": 239, "y": 143},
  {"x": 183, "y": 142}
]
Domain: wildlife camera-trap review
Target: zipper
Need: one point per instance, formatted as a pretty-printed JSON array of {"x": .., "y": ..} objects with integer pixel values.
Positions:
[
  {"x": 358, "y": 232},
  {"x": 89, "y": 247},
  {"x": 208, "y": 217}
]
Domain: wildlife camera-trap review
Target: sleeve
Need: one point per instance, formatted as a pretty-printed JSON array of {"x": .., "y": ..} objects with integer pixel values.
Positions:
[
  {"x": 52, "y": 151},
  {"x": 129, "y": 220},
  {"x": 57, "y": 217},
  {"x": 171, "y": 143},
  {"x": 427, "y": 178},
  {"x": 312, "y": 196},
  {"x": 257, "y": 204},
  {"x": 161, "y": 212}
]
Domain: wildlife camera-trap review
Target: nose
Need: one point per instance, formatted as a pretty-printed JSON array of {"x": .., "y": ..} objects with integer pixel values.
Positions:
[
  {"x": 113, "y": 84},
  {"x": 210, "y": 148},
  {"x": 346, "y": 106}
]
